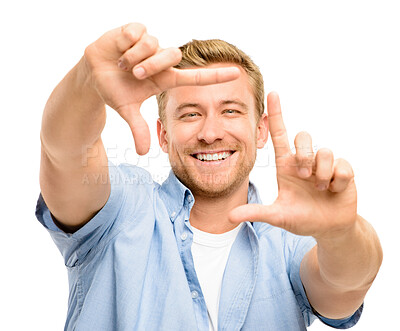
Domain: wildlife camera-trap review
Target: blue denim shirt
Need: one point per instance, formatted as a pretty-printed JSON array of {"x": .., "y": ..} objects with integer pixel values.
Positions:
[{"x": 131, "y": 268}]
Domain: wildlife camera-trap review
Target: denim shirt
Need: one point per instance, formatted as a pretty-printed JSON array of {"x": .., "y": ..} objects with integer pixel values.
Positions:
[{"x": 131, "y": 267}]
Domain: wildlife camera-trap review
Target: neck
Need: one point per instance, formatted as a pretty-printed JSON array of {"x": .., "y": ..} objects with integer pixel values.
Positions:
[{"x": 211, "y": 214}]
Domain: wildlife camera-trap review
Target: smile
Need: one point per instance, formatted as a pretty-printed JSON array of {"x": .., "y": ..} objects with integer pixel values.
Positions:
[{"x": 207, "y": 157}]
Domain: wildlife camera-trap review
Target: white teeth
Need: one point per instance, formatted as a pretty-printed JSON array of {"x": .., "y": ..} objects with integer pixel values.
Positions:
[{"x": 213, "y": 157}]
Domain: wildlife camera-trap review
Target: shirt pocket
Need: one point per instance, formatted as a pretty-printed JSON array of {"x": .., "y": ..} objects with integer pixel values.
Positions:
[
  {"x": 274, "y": 306},
  {"x": 273, "y": 288}
]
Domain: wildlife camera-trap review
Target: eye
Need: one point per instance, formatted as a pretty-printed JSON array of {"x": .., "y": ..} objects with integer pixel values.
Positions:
[
  {"x": 231, "y": 111},
  {"x": 189, "y": 116}
]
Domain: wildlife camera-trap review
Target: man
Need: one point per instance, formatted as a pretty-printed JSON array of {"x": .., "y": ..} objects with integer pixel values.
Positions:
[{"x": 200, "y": 251}]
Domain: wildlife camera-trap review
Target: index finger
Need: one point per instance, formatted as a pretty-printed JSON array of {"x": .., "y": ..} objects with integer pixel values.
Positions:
[
  {"x": 276, "y": 126},
  {"x": 198, "y": 77}
]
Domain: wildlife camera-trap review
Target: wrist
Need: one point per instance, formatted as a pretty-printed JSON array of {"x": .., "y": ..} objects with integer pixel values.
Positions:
[
  {"x": 338, "y": 235},
  {"x": 350, "y": 259},
  {"x": 85, "y": 84}
]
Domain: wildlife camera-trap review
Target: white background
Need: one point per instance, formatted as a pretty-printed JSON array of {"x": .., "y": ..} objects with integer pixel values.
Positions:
[{"x": 336, "y": 66}]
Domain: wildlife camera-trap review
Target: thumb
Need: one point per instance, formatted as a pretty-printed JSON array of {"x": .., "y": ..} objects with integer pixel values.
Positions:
[
  {"x": 257, "y": 213},
  {"x": 140, "y": 130}
]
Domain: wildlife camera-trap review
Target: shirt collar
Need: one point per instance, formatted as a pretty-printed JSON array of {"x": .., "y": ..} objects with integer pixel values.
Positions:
[
  {"x": 176, "y": 195},
  {"x": 252, "y": 194}
]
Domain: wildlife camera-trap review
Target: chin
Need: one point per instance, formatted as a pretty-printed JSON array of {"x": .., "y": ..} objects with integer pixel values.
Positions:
[{"x": 213, "y": 185}]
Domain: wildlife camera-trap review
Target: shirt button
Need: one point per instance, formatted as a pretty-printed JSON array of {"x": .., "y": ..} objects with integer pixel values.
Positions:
[
  {"x": 195, "y": 294},
  {"x": 190, "y": 199},
  {"x": 184, "y": 236},
  {"x": 173, "y": 214}
]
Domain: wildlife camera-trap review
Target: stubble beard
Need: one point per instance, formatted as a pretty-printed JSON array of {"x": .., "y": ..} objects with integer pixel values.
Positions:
[{"x": 215, "y": 185}]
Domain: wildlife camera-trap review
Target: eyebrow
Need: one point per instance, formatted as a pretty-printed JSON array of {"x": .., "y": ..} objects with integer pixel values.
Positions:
[
  {"x": 222, "y": 103},
  {"x": 235, "y": 102},
  {"x": 187, "y": 105}
]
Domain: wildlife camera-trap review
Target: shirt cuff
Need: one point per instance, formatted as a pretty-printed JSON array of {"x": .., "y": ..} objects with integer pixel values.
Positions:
[{"x": 344, "y": 323}]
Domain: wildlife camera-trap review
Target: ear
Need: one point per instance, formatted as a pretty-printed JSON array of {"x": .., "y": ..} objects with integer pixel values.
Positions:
[
  {"x": 162, "y": 136},
  {"x": 262, "y": 131}
]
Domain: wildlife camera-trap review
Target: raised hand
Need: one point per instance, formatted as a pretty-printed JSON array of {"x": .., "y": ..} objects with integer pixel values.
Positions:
[
  {"x": 127, "y": 66},
  {"x": 316, "y": 194}
]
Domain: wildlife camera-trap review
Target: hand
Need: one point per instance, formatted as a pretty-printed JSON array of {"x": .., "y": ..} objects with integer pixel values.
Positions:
[
  {"x": 316, "y": 194},
  {"x": 126, "y": 66}
]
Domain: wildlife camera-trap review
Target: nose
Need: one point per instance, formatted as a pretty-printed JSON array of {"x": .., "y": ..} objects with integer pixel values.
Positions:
[{"x": 211, "y": 130}]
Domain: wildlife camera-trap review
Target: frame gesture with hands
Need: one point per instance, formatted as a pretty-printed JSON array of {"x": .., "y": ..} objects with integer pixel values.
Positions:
[
  {"x": 127, "y": 66},
  {"x": 316, "y": 194}
]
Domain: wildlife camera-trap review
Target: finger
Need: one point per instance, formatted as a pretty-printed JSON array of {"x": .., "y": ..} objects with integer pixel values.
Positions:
[
  {"x": 141, "y": 134},
  {"x": 342, "y": 175},
  {"x": 324, "y": 168},
  {"x": 190, "y": 77},
  {"x": 304, "y": 154},
  {"x": 271, "y": 214},
  {"x": 276, "y": 126},
  {"x": 140, "y": 129},
  {"x": 161, "y": 61},
  {"x": 129, "y": 35},
  {"x": 146, "y": 47}
]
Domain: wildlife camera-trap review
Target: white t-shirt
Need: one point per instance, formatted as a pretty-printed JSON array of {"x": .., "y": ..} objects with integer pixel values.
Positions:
[{"x": 210, "y": 253}]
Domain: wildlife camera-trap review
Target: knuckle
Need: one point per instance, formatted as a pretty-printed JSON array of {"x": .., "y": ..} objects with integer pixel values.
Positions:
[
  {"x": 150, "y": 67},
  {"x": 342, "y": 174},
  {"x": 88, "y": 53},
  {"x": 304, "y": 152},
  {"x": 176, "y": 55},
  {"x": 280, "y": 134},
  {"x": 343, "y": 163},
  {"x": 334, "y": 187},
  {"x": 133, "y": 27},
  {"x": 129, "y": 57},
  {"x": 139, "y": 26},
  {"x": 150, "y": 43},
  {"x": 344, "y": 169},
  {"x": 304, "y": 160},
  {"x": 89, "y": 56},
  {"x": 325, "y": 153},
  {"x": 324, "y": 178},
  {"x": 130, "y": 36},
  {"x": 132, "y": 31}
]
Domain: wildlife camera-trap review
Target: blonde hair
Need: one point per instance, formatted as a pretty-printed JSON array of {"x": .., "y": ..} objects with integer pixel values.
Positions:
[{"x": 200, "y": 53}]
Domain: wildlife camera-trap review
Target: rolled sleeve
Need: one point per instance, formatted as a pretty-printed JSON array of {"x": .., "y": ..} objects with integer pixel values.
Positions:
[
  {"x": 298, "y": 246},
  {"x": 345, "y": 323},
  {"x": 76, "y": 246}
]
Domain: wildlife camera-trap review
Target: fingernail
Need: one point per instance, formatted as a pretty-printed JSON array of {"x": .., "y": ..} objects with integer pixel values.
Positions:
[
  {"x": 139, "y": 72},
  {"x": 321, "y": 187},
  {"x": 304, "y": 172},
  {"x": 122, "y": 65}
]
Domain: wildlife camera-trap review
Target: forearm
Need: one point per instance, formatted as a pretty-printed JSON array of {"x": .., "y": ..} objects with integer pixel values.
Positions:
[
  {"x": 73, "y": 165},
  {"x": 350, "y": 260},
  {"x": 73, "y": 119},
  {"x": 339, "y": 270}
]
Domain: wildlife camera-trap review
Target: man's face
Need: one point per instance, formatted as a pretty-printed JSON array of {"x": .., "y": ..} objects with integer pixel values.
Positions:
[{"x": 211, "y": 135}]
